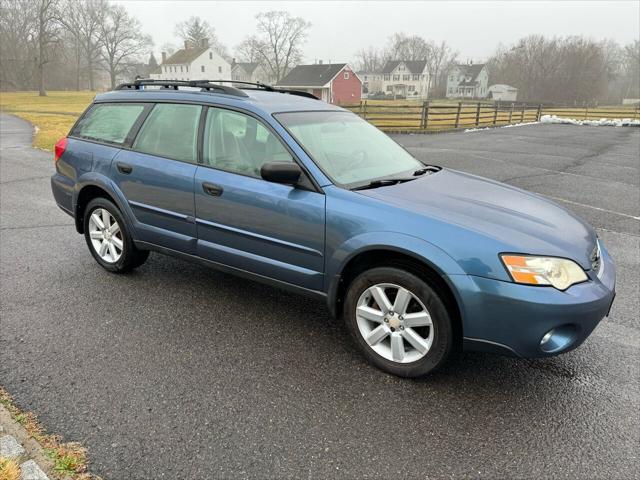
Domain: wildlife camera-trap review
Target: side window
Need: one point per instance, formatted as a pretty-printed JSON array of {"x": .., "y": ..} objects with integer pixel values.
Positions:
[
  {"x": 170, "y": 130},
  {"x": 239, "y": 143},
  {"x": 108, "y": 122}
]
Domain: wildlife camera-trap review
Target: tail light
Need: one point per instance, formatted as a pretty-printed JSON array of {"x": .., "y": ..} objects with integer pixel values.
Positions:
[{"x": 60, "y": 148}]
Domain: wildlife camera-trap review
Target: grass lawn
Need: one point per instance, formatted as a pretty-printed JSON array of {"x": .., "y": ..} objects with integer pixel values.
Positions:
[{"x": 53, "y": 115}]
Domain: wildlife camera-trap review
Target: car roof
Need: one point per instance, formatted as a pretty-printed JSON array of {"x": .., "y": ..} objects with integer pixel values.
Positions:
[{"x": 259, "y": 101}]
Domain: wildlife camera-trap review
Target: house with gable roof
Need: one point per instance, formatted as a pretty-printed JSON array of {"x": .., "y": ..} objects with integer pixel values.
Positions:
[
  {"x": 193, "y": 62},
  {"x": 335, "y": 83},
  {"x": 405, "y": 78},
  {"x": 248, "y": 72},
  {"x": 468, "y": 81}
]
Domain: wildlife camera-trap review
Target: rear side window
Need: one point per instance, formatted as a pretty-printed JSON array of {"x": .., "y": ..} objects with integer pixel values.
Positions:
[
  {"x": 108, "y": 122},
  {"x": 170, "y": 131}
]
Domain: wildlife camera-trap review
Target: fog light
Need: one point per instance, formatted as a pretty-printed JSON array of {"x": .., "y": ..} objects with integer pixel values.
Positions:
[
  {"x": 559, "y": 338},
  {"x": 546, "y": 337}
]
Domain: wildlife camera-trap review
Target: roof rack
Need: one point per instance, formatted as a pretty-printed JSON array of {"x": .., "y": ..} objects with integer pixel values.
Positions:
[
  {"x": 267, "y": 87},
  {"x": 205, "y": 85},
  {"x": 208, "y": 85}
]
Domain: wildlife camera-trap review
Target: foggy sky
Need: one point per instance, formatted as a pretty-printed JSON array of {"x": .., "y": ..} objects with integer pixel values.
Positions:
[{"x": 341, "y": 28}]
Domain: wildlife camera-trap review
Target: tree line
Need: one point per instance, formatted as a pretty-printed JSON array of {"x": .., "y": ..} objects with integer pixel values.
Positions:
[
  {"x": 573, "y": 69},
  {"x": 64, "y": 44}
]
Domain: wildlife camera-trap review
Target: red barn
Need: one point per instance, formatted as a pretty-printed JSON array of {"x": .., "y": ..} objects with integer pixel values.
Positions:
[{"x": 332, "y": 82}]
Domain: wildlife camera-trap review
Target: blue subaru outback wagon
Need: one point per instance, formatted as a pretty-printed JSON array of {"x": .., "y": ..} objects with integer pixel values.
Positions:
[{"x": 280, "y": 187}]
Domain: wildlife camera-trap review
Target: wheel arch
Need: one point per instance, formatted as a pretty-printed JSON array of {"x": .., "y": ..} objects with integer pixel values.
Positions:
[
  {"x": 92, "y": 188},
  {"x": 421, "y": 266}
]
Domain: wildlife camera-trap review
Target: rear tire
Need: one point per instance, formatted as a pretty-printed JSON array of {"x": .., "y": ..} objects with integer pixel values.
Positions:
[
  {"x": 108, "y": 237},
  {"x": 399, "y": 321}
]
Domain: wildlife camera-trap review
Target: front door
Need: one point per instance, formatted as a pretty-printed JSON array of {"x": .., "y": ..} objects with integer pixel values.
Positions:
[
  {"x": 269, "y": 229},
  {"x": 157, "y": 175}
]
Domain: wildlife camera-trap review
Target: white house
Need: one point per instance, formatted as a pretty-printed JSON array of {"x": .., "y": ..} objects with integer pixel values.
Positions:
[
  {"x": 371, "y": 82},
  {"x": 193, "y": 62},
  {"x": 468, "y": 81},
  {"x": 248, "y": 72},
  {"x": 503, "y": 93},
  {"x": 407, "y": 78}
]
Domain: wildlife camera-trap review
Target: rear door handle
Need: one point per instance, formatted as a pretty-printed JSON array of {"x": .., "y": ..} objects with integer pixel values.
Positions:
[
  {"x": 124, "y": 168},
  {"x": 212, "y": 189}
]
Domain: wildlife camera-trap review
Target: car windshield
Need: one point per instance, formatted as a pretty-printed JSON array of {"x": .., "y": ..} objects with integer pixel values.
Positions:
[{"x": 348, "y": 149}]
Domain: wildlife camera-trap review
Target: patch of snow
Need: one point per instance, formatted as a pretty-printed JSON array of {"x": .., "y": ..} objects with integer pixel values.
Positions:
[
  {"x": 503, "y": 126},
  {"x": 603, "y": 122},
  {"x": 519, "y": 124}
]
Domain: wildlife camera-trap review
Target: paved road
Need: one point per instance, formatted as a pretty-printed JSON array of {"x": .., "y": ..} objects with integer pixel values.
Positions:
[{"x": 177, "y": 371}]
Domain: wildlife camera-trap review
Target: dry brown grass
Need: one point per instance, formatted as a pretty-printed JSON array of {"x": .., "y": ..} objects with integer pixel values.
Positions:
[
  {"x": 70, "y": 459},
  {"x": 9, "y": 470}
]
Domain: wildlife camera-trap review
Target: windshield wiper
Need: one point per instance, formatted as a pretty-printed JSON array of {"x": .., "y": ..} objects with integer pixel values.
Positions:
[
  {"x": 422, "y": 171},
  {"x": 383, "y": 182}
]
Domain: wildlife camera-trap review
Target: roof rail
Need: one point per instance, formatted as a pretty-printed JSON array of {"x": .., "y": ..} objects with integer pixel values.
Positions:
[
  {"x": 205, "y": 85},
  {"x": 298, "y": 93},
  {"x": 208, "y": 85}
]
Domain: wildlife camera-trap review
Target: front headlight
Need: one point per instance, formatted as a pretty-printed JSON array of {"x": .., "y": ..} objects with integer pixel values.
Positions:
[{"x": 560, "y": 273}]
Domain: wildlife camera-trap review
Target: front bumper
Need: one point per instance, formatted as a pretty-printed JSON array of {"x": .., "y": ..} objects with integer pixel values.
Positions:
[{"x": 510, "y": 318}]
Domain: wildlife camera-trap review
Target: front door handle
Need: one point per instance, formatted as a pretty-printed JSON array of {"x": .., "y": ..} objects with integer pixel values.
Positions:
[
  {"x": 124, "y": 168},
  {"x": 212, "y": 189}
]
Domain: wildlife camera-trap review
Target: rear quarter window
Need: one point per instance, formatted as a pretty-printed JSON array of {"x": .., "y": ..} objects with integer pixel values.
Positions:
[{"x": 108, "y": 122}]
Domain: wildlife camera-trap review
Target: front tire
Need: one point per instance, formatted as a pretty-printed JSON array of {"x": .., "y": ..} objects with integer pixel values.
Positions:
[
  {"x": 399, "y": 321},
  {"x": 108, "y": 237}
]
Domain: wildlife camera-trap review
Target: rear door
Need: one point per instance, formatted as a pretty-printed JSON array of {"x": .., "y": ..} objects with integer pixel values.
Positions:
[
  {"x": 265, "y": 228},
  {"x": 157, "y": 176}
]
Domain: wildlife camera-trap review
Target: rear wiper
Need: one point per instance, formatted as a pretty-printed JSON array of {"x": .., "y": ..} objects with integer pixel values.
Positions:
[{"x": 382, "y": 183}]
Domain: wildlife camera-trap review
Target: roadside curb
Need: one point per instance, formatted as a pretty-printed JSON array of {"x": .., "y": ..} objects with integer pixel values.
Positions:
[
  {"x": 28, "y": 452},
  {"x": 16, "y": 444}
]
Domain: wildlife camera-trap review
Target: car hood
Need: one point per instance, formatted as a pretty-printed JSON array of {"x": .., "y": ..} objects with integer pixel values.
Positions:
[{"x": 516, "y": 220}]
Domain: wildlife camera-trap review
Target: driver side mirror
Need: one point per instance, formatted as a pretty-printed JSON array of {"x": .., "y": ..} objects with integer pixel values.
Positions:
[{"x": 287, "y": 173}]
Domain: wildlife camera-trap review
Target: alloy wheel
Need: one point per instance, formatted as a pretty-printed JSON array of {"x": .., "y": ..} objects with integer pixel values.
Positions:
[
  {"x": 395, "y": 323},
  {"x": 105, "y": 235}
]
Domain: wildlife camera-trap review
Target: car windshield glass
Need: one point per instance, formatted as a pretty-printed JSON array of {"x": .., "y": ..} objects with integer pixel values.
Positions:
[{"x": 348, "y": 149}]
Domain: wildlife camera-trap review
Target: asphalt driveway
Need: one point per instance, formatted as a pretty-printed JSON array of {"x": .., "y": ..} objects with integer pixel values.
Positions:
[{"x": 176, "y": 371}]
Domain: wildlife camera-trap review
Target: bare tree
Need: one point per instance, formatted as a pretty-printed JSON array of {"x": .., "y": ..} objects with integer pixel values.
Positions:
[
  {"x": 278, "y": 44},
  {"x": 246, "y": 51},
  {"x": 168, "y": 48},
  {"x": 407, "y": 47},
  {"x": 370, "y": 59},
  {"x": 121, "y": 41},
  {"x": 572, "y": 69},
  {"x": 630, "y": 66},
  {"x": 83, "y": 19},
  {"x": 17, "y": 45},
  {"x": 439, "y": 59},
  {"x": 194, "y": 30},
  {"x": 46, "y": 35}
]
